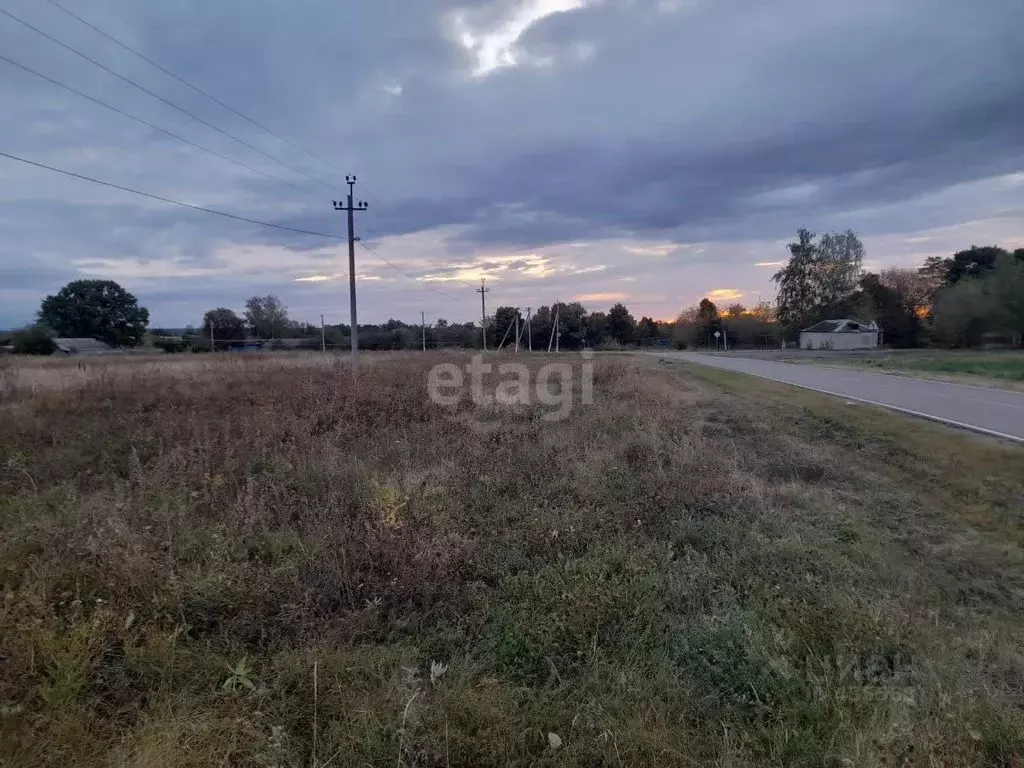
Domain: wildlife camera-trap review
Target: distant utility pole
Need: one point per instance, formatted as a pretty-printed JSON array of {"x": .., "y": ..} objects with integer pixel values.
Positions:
[
  {"x": 554, "y": 329},
  {"x": 423, "y": 323},
  {"x": 323, "y": 337},
  {"x": 517, "y": 330},
  {"x": 351, "y": 208},
  {"x": 482, "y": 290},
  {"x": 529, "y": 331},
  {"x": 212, "y": 347}
]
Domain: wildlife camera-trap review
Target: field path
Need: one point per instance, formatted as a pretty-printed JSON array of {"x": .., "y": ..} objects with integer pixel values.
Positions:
[{"x": 990, "y": 411}]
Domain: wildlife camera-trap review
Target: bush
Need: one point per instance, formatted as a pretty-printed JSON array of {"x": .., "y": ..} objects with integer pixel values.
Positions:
[
  {"x": 170, "y": 344},
  {"x": 34, "y": 340}
]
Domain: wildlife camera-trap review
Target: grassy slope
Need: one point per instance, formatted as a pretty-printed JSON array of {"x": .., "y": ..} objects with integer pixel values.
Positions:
[
  {"x": 998, "y": 369},
  {"x": 700, "y": 569}
]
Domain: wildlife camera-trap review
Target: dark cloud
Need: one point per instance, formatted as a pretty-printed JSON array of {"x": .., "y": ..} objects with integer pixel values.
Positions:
[{"x": 713, "y": 122}]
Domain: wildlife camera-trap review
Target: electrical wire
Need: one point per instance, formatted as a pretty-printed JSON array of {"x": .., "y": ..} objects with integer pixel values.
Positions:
[
  {"x": 194, "y": 87},
  {"x": 209, "y": 96},
  {"x": 154, "y": 127},
  {"x": 162, "y": 99},
  {"x": 151, "y": 196}
]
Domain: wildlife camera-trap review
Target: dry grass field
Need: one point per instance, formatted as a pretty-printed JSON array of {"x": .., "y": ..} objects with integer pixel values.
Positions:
[{"x": 259, "y": 561}]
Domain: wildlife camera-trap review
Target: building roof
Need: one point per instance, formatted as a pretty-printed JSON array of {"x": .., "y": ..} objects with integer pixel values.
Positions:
[
  {"x": 841, "y": 326},
  {"x": 81, "y": 345}
]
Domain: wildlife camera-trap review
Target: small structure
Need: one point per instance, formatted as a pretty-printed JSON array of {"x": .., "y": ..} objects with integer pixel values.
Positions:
[
  {"x": 81, "y": 347},
  {"x": 840, "y": 334}
]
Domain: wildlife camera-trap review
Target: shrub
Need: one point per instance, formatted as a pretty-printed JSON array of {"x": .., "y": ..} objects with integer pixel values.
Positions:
[{"x": 34, "y": 340}]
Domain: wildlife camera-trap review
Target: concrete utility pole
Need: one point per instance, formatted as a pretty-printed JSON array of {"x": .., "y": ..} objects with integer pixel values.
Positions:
[
  {"x": 554, "y": 329},
  {"x": 212, "y": 347},
  {"x": 517, "y": 330},
  {"x": 351, "y": 208},
  {"x": 423, "y": 324},
  {"x": 482, "y": 290},
  {"x": 529, "y": 331}
]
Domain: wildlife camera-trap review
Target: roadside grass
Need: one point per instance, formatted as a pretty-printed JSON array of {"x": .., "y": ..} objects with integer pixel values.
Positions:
[
  {"x": 1003, "y": 369},
  {"x": 261, "y": 561}
]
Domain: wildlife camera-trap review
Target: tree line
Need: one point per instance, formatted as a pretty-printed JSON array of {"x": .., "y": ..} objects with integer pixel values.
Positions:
[
  {"x": 963, "y": 300},
  {"x": 972, "y": 297}
]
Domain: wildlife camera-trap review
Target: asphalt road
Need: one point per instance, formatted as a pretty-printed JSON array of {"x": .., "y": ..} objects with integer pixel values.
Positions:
[{"x": 989, "y": 411}]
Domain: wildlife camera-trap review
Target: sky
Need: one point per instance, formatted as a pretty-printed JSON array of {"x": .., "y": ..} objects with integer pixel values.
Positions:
[{"x": 645, "y": 151}]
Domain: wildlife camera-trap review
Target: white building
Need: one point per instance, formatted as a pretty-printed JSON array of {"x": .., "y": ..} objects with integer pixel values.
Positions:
[{"x": 840, "y": 334}]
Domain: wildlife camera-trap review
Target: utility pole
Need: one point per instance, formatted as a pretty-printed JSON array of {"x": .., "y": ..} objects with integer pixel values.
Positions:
[
  {"x": 529, "y": 331},
  {"x": 323, "y": 337},
  {"x": 423, "y": 323},
  {"x": 212, "y": 347},
  {"x": 482, "y": 290},
  {"x": 351, "y": 208},
  {"x": 517, "y": 330},
  {"x": 554, "y": 329}
]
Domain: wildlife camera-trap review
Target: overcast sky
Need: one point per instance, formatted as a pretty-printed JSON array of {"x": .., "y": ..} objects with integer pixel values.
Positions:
[{"x": 648, "y": 151}]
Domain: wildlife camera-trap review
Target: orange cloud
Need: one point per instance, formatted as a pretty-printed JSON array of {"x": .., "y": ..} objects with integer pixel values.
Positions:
[
  {"x": 770, "y": 264},
  {"x": 724, "y": 294}
]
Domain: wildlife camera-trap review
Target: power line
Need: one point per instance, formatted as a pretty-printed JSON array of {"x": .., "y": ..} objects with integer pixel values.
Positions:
[
  {"x": 154, "y": 127},
  {"x": 161, "y": 98},
  {"x": 210, "y": 96},
  {"x": 209, "y": 210},
  {"x": 411, "y": 277},
  {"x": 194, "y": 87}
]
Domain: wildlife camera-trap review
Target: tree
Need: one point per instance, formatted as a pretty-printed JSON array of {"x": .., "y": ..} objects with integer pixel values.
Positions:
[
  {"x": 1007, "y": 288},
  {"x": 596, "y": 325},
  {"x": 839, "y": 263},
  {"x": 707, "y": 321},
  {"x": 502, "y": 326},
  {"x": 647, "y": 331},
  {"x": 973, "y": 262},
  {"x": 933, "y": 272},
  {"x": 266, "y": 316},
  {"x": 964, "y": 312},
  {"x": 621, "y": 324},
  {"x": 736, "y": 310},
  {"x": 34, "y": 340},
  {"x": 96, "y": 309},
  {"x": 818, "y": 278},
  {"x": 797, "y": 300},
  {"x": 226, "y": 324},
  {"x": 899, "y": 299}
]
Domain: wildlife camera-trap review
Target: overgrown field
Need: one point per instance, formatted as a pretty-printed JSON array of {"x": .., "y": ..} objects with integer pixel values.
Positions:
[{"x": 261, "y": 562}]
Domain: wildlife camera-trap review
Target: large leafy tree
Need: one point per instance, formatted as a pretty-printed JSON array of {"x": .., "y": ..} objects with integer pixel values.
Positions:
[
  {"x": 621, "y": 325},
  {"x": 819, "y": 277},
  {"x": 973, "y": 262},
  {"x": 225, "y": 323},
  {"x": 267, "y": 316},
  {"x": 96, "y": 309}
]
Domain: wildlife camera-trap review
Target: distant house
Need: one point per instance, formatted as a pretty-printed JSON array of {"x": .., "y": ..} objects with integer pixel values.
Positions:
[
  {"x": 81, "y": 347},
  {"x": 840, "y": 334}
]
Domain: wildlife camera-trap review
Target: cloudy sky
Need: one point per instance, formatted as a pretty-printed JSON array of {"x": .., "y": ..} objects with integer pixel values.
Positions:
[{"x": 648, "y": 151}]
